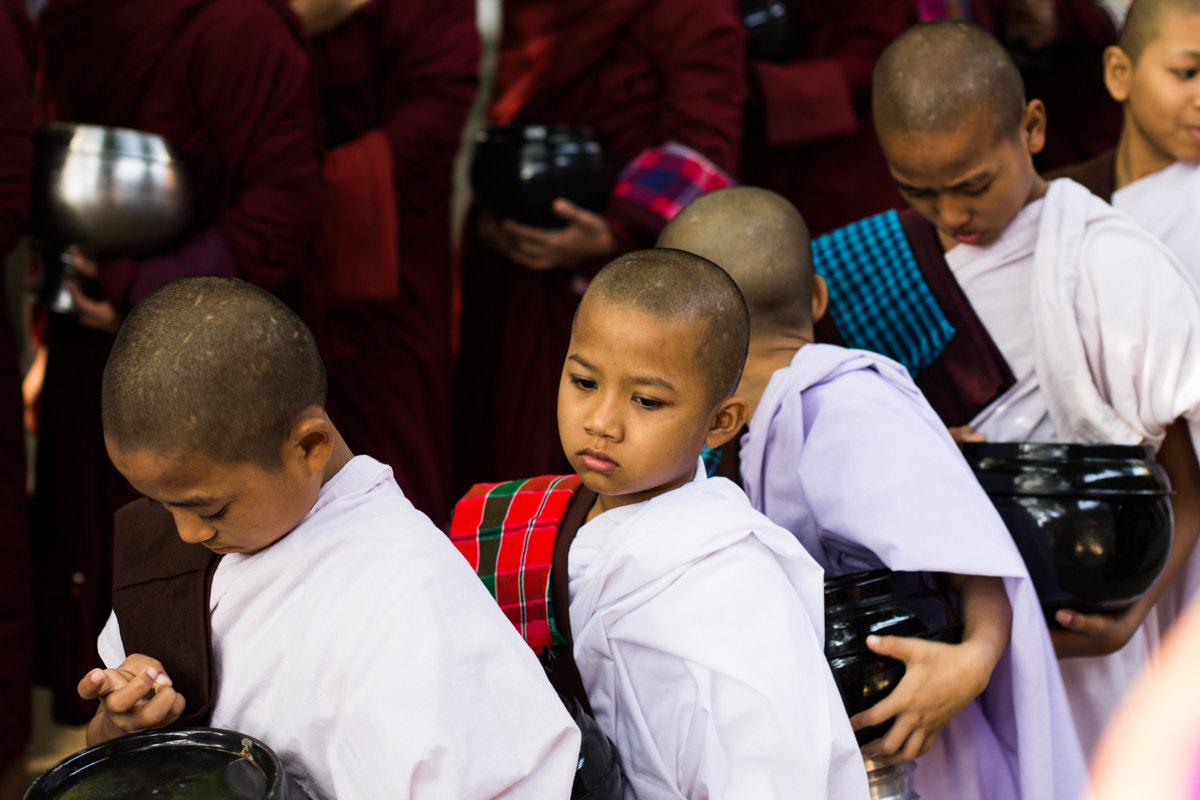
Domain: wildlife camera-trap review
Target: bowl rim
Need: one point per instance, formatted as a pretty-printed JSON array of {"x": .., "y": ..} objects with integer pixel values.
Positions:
[{"x": 57, "y": 133}]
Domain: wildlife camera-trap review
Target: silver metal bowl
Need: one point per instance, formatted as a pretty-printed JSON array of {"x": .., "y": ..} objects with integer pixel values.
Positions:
[{"x": 107, "y": 191}]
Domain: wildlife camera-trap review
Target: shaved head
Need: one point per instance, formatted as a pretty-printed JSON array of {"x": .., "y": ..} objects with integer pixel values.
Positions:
[
  {"x": 938, "y": 75},
  {"x": 761, "y": 240},
  {"x": 674, "y": 286},
  {"x": 214, "y": 366},
  {"x": 1145, "y": 20}
]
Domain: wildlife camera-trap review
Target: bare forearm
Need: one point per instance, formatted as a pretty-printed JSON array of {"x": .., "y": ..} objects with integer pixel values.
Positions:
[{"x": 987, "y": 616}]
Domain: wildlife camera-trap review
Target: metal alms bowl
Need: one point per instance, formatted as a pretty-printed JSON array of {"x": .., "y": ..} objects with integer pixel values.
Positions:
[{"x": 107, "y": 191}]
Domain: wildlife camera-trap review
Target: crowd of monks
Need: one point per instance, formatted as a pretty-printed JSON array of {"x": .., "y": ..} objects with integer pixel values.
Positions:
[{"x": 450, "y": 375}]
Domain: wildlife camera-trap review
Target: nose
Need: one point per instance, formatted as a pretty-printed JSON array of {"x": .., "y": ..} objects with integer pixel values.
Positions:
[
  {"x": 954, "y": 213},
  {"x": 191, "y": 528},
  {"x": 603, "y": 419}
]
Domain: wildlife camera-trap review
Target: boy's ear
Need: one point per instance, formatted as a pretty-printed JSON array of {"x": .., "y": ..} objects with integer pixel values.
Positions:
[
  {"x": 820, "y": 298},
  {"x": 1118, "y": 70},
  {"x": 311, "y": 441},
  {"x": 1033, "y": 125},
  {"x": 728, "y": 418}
]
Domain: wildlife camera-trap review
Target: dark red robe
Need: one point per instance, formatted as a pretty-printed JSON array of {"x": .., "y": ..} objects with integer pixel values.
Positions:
[
  {"x": 809, "y": 131},
  {"x": 642, "y": 72},
  {"x": 16, "y": 601},
  {"x": 408, "y": 69},
  {"x": 226, "y": 82}
]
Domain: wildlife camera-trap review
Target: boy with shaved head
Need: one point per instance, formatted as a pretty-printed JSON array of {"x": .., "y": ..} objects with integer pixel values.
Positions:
[
  {"x": 1090, "y": 322},
  {"x": 288, "y": 587},
  {"x": 698, "y": 624},
  {"x": 844, "y": 451}
]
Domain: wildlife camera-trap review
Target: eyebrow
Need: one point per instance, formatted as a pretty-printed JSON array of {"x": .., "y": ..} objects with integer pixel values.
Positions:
[
  {"x": 648, "y": 380},
  {"x": 978, "y": 177}
]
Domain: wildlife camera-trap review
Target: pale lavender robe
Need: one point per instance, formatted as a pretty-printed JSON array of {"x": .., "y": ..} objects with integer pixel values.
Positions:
[{"x": 846, "y": 453}]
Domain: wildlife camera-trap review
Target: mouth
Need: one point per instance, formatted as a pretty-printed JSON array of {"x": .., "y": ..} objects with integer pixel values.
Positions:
[
  {"x": 597, "y": 461},
  {"x": 220, "y": 550},
  {"x": 968, "y": 238}
]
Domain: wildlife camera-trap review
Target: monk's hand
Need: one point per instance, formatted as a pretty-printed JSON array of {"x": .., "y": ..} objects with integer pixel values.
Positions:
[
  {"x": 98, "y": 314},
  {"x": 939, "y": 681},
  {"x": 1095, "y": 634},
  {"x": 965, "y": 433},
  {"x": 136, "y": 696},
  {"x": 587, "y": 237},
  {"x": 492, "y": 234},
  {"x": 318, "y": 16}
]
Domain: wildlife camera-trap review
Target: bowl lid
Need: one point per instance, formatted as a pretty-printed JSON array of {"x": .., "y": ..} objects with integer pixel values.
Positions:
[
  {"x": 1035, "y": 469},
  {"x": 185, "y": 764},
  {"x": 104, "y": 140}
]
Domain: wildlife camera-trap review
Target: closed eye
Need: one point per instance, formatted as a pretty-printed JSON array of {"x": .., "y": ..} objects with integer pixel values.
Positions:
[
  {"x": 1184, "y": 74},
  {"x": 213, "y": 517},
  {"x": 976, "y": 191},
  {"x": 648, "y": 402},
  {"x": 583, "y": 383}
]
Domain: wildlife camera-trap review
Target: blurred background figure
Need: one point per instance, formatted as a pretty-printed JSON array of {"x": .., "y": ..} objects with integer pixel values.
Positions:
[
  {"x": 643, "y": 74},
  {"x": 227, "y": 83},
  {"x": 397, "y": 81},
  {"x": 17, "y": 48}
]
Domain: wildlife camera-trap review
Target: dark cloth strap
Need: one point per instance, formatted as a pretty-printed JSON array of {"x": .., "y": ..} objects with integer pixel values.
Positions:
[
  {"x": 563, "y": 671},
  {"x": 1098, "y": 176},
  {"x": 161, "y": 590},
  {"x": 969, "y": 372}
]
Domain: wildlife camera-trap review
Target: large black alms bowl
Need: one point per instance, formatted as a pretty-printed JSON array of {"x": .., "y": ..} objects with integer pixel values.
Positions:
[
  {"x": 518, "y": 172},
  {"x": 1093, "y": 522},
  {"x": 883, "y": 603},
  {"x": 770, "y": 35}
]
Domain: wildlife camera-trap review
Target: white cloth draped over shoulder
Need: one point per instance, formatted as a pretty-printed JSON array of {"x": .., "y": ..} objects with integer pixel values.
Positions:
[
  {"x": 846, "y": 453},
  {"x": 365, "y": 652},
  {"x": 1165, "y": 203},
  {"x": 699, "y": 629},
  {"x": 1101, "y": 327}
]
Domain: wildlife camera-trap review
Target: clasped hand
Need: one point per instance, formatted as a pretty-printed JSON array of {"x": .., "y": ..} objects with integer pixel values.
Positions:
[
  {"x": 586, "y": 237},
  {"x": 939, "y": 681},
  {"x": 134, "y": 697}
]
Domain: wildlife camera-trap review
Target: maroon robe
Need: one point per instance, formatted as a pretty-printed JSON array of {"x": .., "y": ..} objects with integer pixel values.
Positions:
[
  {"x": 226, "y": 82},
  {"x": 809, "y": 131},
  {"x": 16, "y": 601},
  {"x": 642, "y": 72},
  {"x": 408, "y": 69}
]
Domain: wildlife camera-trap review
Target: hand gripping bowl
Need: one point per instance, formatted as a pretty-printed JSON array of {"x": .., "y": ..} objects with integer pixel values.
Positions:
[
  {"x": 517, "y": 172},
  {"x": 104, "y": 192},
  {"x": 1092, "y": 522},
  {"x": 883, "y": 603},
  {"x": 186, "y": 764}
]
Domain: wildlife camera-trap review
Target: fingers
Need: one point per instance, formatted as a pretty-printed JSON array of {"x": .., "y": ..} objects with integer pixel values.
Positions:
[
  {"x": 95, "y": 314},
  {"x": 900, "y": 648},
  {"x": 95, "y": 685},
  {"x": 575, "y": 215}
]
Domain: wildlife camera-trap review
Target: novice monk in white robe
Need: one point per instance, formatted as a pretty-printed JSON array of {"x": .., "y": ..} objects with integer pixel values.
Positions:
[
  {"x": 845, "y": 452},
  {"x": 698, "y": 624},
  {"x": 347, "y": 633},
  {"x": 1098, "y": 322},
  {"x": 1154, "y": 173}
]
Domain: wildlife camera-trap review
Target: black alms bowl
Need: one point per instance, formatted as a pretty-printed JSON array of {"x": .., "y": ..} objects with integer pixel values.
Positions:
[
  {"x": 883, "y": 603},
  {"x": 518, "y": 172},
  {"x": 186, "y": 764},
  {"x": 1093, "y": 522},
  {"x": 769, "y": 32}
]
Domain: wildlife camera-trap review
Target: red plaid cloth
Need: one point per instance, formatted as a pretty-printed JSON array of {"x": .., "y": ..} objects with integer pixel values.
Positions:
[
  {"x": 663, "y": 180},
  {"x": 507, "y": 533}
]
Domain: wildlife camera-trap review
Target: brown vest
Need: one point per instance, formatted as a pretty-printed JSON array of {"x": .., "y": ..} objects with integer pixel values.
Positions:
[{"x": 160, "y": 595}]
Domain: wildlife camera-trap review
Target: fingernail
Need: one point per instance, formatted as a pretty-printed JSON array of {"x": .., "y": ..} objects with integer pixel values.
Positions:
[
  {"x": 1064, "y": 617},
  {"x": 151, "y": 673},
  {"x": 873, "y": 639}
]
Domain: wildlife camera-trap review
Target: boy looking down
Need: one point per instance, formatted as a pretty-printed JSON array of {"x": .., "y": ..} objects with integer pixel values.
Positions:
[
  {"x": 844, "y": 451},
  {"x": 345, "y": 631},
  {"x": 698, "y": 624},
  {"x": 1094, "y": 320}
]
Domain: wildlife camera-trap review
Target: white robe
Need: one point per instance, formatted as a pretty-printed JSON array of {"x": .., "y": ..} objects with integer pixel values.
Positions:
[
  {"x": 845, "y": 452},
  {"x": 1105, "y": 348},
  {"x": 699, "y": 629},
  {"x": 1165, "y": 203},
  {"x": 365, "y": 652}
]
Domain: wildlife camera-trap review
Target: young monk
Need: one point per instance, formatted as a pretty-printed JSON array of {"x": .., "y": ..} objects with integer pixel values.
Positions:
[
  {"x": 1082, "y": 348},
  {"x": 844, "y": 451},
  {"x": 345, "y": 631},
  {"x": 698, "y": 624}
]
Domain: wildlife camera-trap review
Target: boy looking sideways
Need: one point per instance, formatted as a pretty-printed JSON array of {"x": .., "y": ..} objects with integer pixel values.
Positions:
[{"x": 345, "y": 631}]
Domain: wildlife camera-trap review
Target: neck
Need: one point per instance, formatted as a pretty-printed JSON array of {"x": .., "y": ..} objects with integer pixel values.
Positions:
[
  {"x": 767, "y": 355},
  {"x": 338, "y": 458},
  {"x": 1136, "y": 156}
]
